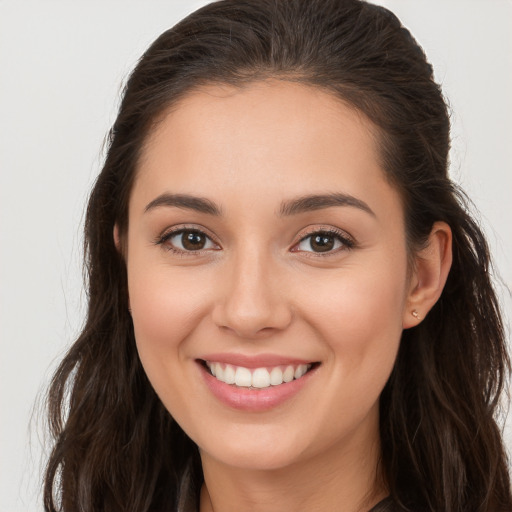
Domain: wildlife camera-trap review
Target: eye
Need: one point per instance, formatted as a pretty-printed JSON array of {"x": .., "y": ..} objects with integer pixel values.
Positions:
[
  {"x": 323, "y": 242},
  {"x": 187, "y": 240}
]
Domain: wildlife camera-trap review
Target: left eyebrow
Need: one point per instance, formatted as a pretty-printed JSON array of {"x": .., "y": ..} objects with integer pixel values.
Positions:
[
  {"x": 185, "y": 201},
  {"x": 318, "y": 202}
]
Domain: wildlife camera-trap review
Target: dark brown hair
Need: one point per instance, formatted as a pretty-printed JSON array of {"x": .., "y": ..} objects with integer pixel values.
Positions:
[{"x": 116, "y": 447}]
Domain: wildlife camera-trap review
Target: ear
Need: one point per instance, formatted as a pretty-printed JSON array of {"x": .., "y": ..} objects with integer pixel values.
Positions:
[{"x": 431, "y": 267}]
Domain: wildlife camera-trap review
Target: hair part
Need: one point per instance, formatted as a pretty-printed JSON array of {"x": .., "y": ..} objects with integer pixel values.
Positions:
[{"x": 116, "y": 447}]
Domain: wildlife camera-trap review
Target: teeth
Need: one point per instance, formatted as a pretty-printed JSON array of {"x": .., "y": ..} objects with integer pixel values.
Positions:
[
  {"x": 243, "y": 377},
  {"x": 276, "y": 376},
  {"x": 229, "y": 375},
  {"x": 288, "y": 374},
  {"x": 257, "y": 378},
  {"x": 300, "y": 371},
  {"x": 261, "y": 378},
  {"x": 219, "y": 372},
  {"x": 211, "y": 367}
]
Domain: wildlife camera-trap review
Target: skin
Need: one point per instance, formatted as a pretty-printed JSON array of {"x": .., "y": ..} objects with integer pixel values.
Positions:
[{"x": 259, "y": 287}]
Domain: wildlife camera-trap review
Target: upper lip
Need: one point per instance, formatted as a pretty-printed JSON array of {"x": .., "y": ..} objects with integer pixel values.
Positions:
[{"x": 254, "y": 361}]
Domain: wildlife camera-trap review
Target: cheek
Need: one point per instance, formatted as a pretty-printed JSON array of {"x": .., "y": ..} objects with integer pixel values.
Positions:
[
  {"x": 166, "y": 306},
  {"x": 359, "y": 316}
]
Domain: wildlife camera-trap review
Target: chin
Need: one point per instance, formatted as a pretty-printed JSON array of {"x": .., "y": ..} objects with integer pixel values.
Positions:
[
  {"x": 257, "y": 451},
  {"x": 253, "y": 460}
]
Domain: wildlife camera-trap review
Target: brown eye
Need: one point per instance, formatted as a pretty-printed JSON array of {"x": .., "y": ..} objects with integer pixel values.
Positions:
[
  {"x": 188, "y": 240},
  {"x": 324, "y": 242},
  {"x": 193, "y": 240}
]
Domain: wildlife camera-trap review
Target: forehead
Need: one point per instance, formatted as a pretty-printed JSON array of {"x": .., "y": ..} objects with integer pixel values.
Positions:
[
  {"x": 265, "y": 138},
  {"x": 282, "y": 112}
]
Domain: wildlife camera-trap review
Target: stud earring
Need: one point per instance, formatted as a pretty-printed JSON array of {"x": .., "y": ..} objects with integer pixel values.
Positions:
[{"x": 415, "y": 314}]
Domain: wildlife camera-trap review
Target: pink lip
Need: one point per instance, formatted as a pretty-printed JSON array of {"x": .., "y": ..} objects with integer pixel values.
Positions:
[
  {"x": 254, "y": 400},
  {"x": 257, "y": 361}
]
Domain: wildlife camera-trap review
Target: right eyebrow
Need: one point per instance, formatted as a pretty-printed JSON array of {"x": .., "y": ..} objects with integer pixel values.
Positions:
[
  {"x": 321, "y": 201},
  {"x": 199, "y": 204}
]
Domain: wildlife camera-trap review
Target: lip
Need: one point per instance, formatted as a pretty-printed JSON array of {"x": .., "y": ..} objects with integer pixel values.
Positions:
[{"x": 254, "y": 400}]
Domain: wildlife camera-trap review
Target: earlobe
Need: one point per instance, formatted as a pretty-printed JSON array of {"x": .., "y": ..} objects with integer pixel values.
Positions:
[
  {"x": 120, "y": 241},
  {"x": 432, "y": 265}
]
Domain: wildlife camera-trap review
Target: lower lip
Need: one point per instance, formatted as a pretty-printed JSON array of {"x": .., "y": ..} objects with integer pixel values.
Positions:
[{"x": 254, "y": 400}]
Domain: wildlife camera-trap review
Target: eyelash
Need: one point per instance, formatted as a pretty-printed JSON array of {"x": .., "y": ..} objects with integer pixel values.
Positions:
[{"x": 346, "y": 241}]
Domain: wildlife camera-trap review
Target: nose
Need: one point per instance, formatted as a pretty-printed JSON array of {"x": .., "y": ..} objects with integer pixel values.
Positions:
[{"x": 252, "y": 302}]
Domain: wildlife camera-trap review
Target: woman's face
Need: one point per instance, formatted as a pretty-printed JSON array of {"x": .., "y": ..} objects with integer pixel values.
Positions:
[{"x": 264, "y": 241}]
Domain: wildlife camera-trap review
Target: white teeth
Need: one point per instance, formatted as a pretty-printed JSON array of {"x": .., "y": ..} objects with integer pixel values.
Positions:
[
  {"x": 261, "y": 378},
  {"x": 276, "y": 376},
  {"x": 257, "y": 378},
  {"x": 243, "y": 377},
  {"x": 229, "y": 374},
  {"x": 219, "y": 372},
  {"x": 300, "y": 371},
  {"x": 288, "y": 374}
]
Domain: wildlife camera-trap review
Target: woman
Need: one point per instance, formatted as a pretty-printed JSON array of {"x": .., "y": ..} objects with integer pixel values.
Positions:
[{"x": 289, "y": 307}]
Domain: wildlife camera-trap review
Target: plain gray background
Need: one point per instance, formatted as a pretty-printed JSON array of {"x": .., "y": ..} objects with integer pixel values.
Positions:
[{"x": 61, "y": 68}]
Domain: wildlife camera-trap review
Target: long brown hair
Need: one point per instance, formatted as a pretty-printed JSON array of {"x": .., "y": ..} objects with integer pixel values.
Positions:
[{"x": 116, "y": 447}]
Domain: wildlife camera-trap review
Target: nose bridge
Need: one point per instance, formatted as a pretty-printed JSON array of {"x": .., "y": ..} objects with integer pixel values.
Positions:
[{"x": 252, "y": 301}]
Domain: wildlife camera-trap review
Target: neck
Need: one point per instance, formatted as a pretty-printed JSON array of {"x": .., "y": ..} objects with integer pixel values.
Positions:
[{"x": 343, "y": 479}]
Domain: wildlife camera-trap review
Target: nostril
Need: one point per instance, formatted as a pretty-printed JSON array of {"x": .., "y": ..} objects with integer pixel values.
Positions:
[
  {"x": 251, "y": 309},
  {"x": 252, "y": 324}
]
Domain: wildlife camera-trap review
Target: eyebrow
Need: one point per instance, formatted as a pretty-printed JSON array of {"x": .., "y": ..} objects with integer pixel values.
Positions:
[
  {"x": 301, "y": 204},
  {"x": 318, "y": 202},
  {"x": 188, "y": 202}
]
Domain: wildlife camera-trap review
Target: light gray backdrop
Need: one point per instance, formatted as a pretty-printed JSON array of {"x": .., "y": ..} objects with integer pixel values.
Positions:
[{"x": 61, "y": 67}]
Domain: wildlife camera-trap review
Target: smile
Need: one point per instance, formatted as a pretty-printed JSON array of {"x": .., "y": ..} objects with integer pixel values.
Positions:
[
  {"x": 255, "y": 383},
  {"x": 256, "y": 378}
]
